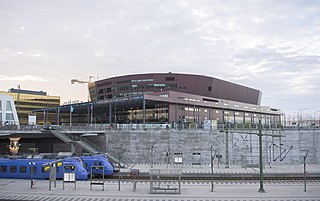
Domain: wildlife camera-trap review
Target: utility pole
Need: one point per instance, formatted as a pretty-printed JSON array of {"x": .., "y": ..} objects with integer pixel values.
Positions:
[
  {"x": 261, "y": 190},
  {"x": 212, "y": 158},
  {"x": 18, "y": 100},
  {"x": 119, "y": 181},
  {"x": 151, "y": 152},
  {"x": 304, "y": 170},
  {"x": 227, "y": 149}
]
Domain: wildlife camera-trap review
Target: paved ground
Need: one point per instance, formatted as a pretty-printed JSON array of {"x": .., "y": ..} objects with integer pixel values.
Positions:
[
  {"x": 15, "y": 189},
  {"x": 190, "y": 191}
]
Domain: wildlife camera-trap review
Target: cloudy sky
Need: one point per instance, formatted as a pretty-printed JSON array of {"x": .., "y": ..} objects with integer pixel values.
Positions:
[{"x": 270, "y": 45}]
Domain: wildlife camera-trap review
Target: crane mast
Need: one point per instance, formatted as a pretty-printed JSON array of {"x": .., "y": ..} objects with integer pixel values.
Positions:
[{"x": 73, "y": 81}]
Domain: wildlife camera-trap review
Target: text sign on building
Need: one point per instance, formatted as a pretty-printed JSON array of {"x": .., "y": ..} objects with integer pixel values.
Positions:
[{"x": 32, "y": 118}]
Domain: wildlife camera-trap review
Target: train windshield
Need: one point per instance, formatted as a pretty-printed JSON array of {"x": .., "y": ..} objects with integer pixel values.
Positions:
[{"x": 80, "y": 161}]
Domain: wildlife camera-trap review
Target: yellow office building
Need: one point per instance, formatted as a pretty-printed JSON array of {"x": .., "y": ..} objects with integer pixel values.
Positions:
[{"x": 26, "y": 101}]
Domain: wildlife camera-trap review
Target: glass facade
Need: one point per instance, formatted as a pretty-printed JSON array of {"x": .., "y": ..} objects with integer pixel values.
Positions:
[
  {"x": 26, "y": 103},
  {"x": 136, "y": 87},
  {"x": 0, "y": 112}
]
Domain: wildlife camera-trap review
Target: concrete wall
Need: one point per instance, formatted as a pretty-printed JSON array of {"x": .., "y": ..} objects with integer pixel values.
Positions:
[{"x": 243, "y": 147}]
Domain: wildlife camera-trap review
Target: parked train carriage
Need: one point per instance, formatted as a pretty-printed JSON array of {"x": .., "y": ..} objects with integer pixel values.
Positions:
[
  {"x": 98, "y": 160},
  {"x": 21, "y": 168}
]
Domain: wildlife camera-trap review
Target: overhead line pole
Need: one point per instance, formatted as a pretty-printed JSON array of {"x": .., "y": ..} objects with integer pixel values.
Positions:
[{"x": 261, "y": 190}]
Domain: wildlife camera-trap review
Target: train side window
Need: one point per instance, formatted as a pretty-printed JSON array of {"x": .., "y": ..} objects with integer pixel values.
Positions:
[
  {"x": 23, "y": 168},
  {"x": 3, "y": 168},
  {"x": 58, "y": 169},
  {"x": 13, "y": 168},
  {"x": 34, "y": 169}
]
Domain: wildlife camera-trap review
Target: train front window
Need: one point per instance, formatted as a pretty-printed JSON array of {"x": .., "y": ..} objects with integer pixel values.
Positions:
[
  {"x": 3, "y": 168},
  {"x": 80, "y": 160}
]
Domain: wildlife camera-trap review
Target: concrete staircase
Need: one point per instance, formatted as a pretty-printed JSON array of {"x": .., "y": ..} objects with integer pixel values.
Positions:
[
  {"x": 70, "y": 139},
  {"x": 87, "y": 145}
]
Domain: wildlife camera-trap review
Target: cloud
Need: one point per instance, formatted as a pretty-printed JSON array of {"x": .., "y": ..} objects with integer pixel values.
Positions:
[
  {"x": 22, "y": 78},
  {"x": 273, "y": 46}
]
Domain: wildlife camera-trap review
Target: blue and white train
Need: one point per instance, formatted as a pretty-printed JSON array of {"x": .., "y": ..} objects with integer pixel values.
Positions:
[
  {"x": 21, "y": 168},
  {"x": 98, "y": 160}
]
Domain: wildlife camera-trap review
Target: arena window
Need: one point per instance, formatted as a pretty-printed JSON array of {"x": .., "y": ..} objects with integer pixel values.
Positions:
[
  {"x": 210, "y": 100},
  {"x": 169, "y": 78}
]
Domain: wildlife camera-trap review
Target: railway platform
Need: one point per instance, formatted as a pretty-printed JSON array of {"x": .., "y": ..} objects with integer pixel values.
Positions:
[
  {"x": 191, "y": 190},
  {"x": 15, "y": 189}
]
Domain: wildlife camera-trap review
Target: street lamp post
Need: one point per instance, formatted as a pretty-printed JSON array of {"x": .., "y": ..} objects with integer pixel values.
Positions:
[
  {"x": 212, "y": 158},
  {"x": 151, "y": 153},
  {"x": 33, "y": 151},
  {"x": 227, "y": 149},
  {"x": 314, "y": 118},
  {"x": 119, "y": 166},
  {"x": 301, "y": 122},
  {"x": 304, "y": 170},
  {"x": 211, "y": 169}
]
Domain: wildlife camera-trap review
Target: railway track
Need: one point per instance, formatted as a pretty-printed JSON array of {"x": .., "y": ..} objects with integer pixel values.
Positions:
[{"x": 225, "y": 176}]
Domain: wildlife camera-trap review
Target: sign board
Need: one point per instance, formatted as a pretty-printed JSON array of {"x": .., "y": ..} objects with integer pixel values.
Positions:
[
  {"x": 69, "y": 177},
  {"x": 178, "y": 159},
  {"x": 32, "y": 119},
  {"x": 210, "y": 125}
]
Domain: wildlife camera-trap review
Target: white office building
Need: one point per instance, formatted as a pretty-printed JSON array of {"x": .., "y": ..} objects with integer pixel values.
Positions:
[{"x": 8, "y": 113}]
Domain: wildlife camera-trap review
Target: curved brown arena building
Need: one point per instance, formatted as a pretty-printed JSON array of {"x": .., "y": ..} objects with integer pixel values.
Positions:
[
  {"x": 169, "y": 98},
  {"x": 138, "y": 84}
]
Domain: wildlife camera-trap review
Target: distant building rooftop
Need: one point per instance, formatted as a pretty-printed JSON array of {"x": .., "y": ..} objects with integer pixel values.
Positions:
[{"x": 12, "y": 90}]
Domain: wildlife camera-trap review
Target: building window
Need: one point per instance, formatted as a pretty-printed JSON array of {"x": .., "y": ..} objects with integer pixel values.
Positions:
[
  {"x": 210, "y": 100},
  {"x": 8, "y": 106},
  {"x": 209, "y": 88},
  {"x": 9, "y": 117},
  {"x": 169, "y": 78}
]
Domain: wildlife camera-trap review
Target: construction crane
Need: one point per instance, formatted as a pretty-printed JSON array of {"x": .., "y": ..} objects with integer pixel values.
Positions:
[
  {"x": 89, "y": 82},
  {"x": 82, "y": 81}
]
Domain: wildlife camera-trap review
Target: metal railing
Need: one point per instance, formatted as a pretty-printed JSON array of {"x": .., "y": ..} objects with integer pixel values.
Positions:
[{"x": 164, "y": 126}]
